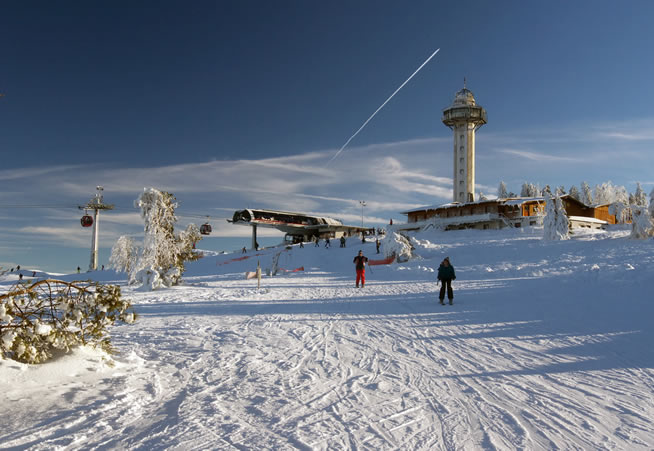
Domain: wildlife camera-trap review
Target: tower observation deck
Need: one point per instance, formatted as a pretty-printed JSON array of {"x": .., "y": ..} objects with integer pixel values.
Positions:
[{"x": 464, "y": 117}]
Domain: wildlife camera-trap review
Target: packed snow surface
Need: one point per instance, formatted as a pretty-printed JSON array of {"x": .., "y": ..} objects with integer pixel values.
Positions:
[{"x": 549, "y": 344}]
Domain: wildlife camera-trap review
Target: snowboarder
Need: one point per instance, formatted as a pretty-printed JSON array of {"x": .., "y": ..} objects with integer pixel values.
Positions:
[
  {"x": 446, "y": 275},
  {"x": 360, "y": 261}
]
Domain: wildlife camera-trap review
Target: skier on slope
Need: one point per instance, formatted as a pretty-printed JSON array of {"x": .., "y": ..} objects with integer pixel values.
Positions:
[
  {"x": 360, "y": 261},
  {"x": 446, "y": 275}
]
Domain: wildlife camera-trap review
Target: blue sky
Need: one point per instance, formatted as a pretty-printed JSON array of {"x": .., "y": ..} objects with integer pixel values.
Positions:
[{"x": 241, "y": 104}]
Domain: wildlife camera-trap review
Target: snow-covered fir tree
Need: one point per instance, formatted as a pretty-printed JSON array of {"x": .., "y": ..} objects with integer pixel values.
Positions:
[
  {"x": 123, "y": 254},
  {"x": 530, "y": 190},
  {"x": 574, "y": 193},
  {"x": 608, "y": 193},
  {"x": 555, "y": 224},
  {"x": 586, "y": 194},
  {"x": 621, "y": 211},
  {"x": 639, "y": 197},
  {"x": 502, "y": 193},
  {"x": 161, "y": 263},
  {"x": 651, "y": 203},
  {"x": 641, "y": 222}
]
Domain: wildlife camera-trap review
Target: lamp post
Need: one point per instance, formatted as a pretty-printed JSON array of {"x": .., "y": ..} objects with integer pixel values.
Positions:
[{"x": 363, "y": 204}]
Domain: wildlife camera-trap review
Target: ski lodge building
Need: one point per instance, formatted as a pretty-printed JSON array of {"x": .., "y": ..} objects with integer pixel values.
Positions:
[{"x": 501, "y": 213}]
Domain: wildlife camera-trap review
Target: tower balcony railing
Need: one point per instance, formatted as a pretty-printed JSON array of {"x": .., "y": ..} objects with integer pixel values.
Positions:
[{"x": 464, "y": 113}]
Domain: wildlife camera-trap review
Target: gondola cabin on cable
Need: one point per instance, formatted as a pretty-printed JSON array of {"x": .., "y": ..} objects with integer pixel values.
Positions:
[
  {"x": 205, "y": 229},
  {"x": 87, "y": 221}
]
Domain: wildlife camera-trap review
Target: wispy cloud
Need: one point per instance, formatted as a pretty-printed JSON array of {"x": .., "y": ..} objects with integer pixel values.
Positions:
[{"x": 539, "y": 157}]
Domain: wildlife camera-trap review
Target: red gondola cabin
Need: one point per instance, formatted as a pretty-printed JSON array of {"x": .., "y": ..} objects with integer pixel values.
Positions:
[
  {"x": 205, "y": 229},
  {"x": 87, "y": 221}
]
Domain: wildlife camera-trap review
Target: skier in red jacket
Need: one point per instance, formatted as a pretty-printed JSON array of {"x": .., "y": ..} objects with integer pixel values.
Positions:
[{"x": 360, "y": 262}]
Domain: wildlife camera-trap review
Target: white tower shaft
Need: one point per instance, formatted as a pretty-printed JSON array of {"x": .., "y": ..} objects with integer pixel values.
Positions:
[
  {"x": 464, "y": 163},
  {"x": 464, "y": 117}
]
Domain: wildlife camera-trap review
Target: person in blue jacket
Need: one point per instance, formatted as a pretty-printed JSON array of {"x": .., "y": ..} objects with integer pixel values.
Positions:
[{"x": 446, "y": 275}]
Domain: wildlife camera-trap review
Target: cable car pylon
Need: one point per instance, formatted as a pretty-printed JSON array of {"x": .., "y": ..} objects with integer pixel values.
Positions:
[{"x": 96, "y": 204}]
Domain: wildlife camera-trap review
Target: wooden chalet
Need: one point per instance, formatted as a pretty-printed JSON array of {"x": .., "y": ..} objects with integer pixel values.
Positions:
[{"x": 504, "y": 212}]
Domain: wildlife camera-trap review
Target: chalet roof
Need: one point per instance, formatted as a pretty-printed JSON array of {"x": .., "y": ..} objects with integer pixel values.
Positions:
[
  {"x": 498, "y": 201},
  {"x": 587, "y": 219}
]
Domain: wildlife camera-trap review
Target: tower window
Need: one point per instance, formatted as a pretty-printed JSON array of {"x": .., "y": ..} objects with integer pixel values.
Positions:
[{"x": 461, "y": 160}]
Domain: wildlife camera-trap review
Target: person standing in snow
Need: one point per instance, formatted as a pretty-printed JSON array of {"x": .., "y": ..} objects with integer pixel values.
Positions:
[
  {"x": 360, "y": 262},
  {"x": 446, "y": 275}
]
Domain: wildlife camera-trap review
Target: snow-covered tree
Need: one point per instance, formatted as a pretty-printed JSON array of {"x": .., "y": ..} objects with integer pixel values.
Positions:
[
  {"x": 482, "y": 197},
  {"x": 639, "y": 197},
  {"x": 161, "y": 263},
  {"x": 530, "y": 190},
  {"x": 555, "y": 224},
  {"x": 621, "y": 211},
  {"x": 123, "y": 254},
  {"x": 608, "y": 193},
  {"x": 641, "y": 222},
  {"x": 651, "y": 203},
  {"x": 574, "y": 193},
  {"x": 502, "y": 193},
  {"x": 586, "y": 194},
  {"x": 186, "y": 241}
]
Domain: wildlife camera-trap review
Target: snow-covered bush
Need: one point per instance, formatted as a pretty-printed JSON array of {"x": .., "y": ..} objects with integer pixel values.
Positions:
[
  {"x": 555, "y": 224},
  {"x": 123, "y": 254},
  {"x": 641, "y": 222},
  {"x": 161, "y": 262},
  {"x": 53, "y": 314},
  {"x": 396, "y": 244}
]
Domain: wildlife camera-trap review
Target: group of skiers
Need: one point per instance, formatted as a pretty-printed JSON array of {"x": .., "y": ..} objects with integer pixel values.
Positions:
[{"x": 446, "y": 275}]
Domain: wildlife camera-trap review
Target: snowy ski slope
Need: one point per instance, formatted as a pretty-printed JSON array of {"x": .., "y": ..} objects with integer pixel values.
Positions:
[{"x": 547, "y": 346}]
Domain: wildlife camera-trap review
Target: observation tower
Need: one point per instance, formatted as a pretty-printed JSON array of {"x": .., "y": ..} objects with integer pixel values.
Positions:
[{"x": 464, "y": 117}]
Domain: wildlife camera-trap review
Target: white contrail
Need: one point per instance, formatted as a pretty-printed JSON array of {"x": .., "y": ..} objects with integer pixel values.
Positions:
[{"x": 382, "y": 106}]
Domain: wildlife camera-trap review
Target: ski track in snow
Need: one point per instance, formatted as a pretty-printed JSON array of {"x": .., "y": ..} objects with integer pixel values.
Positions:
[{"x": 546, "y": 347}]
